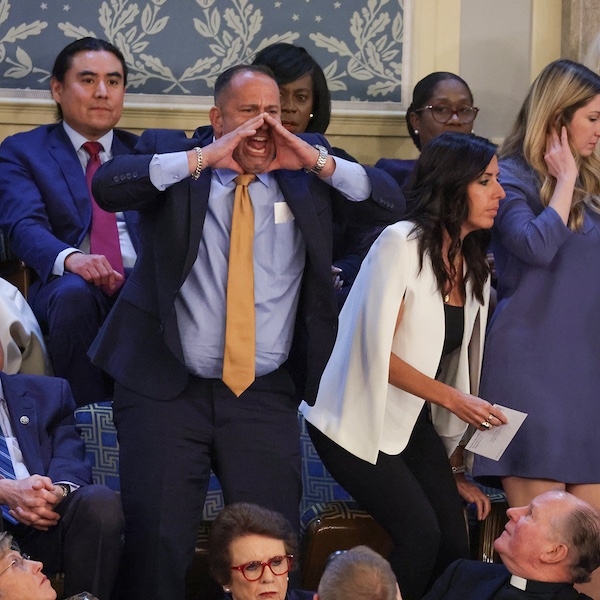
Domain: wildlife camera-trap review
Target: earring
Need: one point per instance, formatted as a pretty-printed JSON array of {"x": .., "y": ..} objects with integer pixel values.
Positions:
[
  {"x": 416, "y": 132},
  {"x": 311, "y": 115},
  {"x": 472, "y": 131},
  {"x": 226, "y": 590}
]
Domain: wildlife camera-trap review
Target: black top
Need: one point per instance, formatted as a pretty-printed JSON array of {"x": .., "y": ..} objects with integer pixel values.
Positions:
[{"x": 455, "y": 325}]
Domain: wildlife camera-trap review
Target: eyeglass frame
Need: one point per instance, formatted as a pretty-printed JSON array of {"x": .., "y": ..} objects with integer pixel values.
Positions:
[
  {"x": 263, "y": 564},
  {"x": 454, "y": 112},
  {"x": 15, "y": 561}
]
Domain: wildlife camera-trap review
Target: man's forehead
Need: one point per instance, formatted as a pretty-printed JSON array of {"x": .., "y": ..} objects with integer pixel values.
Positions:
[
  {"x": 551, "y": 503},
  {"x": 246, "y": 79},
  {"x": 97, "y": 61}
]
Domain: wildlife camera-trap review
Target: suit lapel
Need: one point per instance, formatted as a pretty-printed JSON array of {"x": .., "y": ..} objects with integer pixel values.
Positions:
[
  {"x": 198, "y": 193},
  {"x": 62, "y": 151},
  {"x": 295, "y": 189},
  {"x": 23, "y": 419},
  {"x": 118, "y": 147}
]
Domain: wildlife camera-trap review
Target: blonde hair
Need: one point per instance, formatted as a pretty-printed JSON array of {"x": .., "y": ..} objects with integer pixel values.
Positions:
[{"x": 557, "y": 93}]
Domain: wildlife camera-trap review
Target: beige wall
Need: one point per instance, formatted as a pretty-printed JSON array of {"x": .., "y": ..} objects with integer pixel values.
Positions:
[{"x": 498, "y": 47}]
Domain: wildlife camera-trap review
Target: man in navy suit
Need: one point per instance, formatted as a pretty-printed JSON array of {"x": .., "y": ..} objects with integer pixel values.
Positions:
[
  {"x": 46, "y": 209},
  {"x": 60, "y": 518},
  {"x": 546, "y": 547},
  {"x": 164, "y": 341}
]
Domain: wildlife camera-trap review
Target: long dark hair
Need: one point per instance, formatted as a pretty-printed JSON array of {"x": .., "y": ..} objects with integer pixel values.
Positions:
[
  {"x": 288, "y": 63},
  {"x": 438, "y": 201}
]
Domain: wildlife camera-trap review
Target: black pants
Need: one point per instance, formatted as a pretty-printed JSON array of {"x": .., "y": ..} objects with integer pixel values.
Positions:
[
  {"x": 85, "y": 544},
  {"x": 413, "y": 496},
  {"x": 166, "y": 452}
]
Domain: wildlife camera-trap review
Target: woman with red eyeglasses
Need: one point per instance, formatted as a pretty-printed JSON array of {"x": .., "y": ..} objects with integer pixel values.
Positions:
[{"x": 251, "y": 551}]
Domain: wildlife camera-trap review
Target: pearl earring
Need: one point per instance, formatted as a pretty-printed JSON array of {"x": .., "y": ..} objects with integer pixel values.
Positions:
[
  {"x": 416, "y": 132},
  {"x": 311, "y": 115}
]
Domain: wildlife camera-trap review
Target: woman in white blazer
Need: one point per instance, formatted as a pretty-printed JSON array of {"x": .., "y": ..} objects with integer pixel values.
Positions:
[{"x": 400, "y": 387}]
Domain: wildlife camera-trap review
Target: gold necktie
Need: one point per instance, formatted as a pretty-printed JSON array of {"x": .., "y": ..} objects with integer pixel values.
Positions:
[{"x": 240, "y": 328}]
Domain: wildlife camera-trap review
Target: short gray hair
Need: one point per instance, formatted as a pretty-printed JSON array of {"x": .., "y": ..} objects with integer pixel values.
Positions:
[
  {"x": 358, "y": 574},
  {"x": 580, "y": 530},
  {"x": 6, "y": 545}
]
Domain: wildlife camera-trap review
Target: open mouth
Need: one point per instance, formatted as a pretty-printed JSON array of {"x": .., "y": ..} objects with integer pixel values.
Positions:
[{"x": 258, "y": 144}]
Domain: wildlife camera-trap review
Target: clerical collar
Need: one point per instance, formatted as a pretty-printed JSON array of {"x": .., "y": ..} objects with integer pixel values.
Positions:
[{"x": 536, "y": 587}]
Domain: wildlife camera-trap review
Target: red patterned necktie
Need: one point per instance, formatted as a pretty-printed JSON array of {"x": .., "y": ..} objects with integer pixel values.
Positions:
[{"x": 104, "y": 235}]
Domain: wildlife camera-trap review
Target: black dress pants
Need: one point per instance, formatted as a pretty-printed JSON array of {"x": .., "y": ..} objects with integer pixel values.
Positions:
[
  {"x": 413, "y": 496},
  {"x": 167, "y": 449},
  {"x": 85, "y": 544}
]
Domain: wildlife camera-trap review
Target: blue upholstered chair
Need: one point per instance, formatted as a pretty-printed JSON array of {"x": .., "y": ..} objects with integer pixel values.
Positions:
[{"x": 330, "y": 519}]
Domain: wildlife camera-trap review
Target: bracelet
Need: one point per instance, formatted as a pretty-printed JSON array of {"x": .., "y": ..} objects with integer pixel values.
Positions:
[
  {"x": 459, "y": 470},
  {"x": 198, "y": 168},
  {"x": 323, "y": 154}
]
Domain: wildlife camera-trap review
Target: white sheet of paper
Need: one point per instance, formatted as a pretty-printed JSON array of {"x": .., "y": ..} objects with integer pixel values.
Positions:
[{"x": 493, "y": 442}]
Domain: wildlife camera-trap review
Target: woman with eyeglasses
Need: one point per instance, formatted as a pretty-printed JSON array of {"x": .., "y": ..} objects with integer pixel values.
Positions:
[
  {"x": 441, "y": 102},
  {"x": 401, "y": 385},
  {"x": 251, "y": 551},
  {"x": 22, "y": 578},
  {"x": 542, "y": 352}
]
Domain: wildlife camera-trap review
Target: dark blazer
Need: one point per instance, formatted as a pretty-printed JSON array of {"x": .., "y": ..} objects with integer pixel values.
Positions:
[
  {"x": 400, "y": 170},
  {"x": 44, "y": 201},
  {"x": 41, "y": 415},
  {"x": 474, "y": 580},
  {"x": 139, "y": 344}
]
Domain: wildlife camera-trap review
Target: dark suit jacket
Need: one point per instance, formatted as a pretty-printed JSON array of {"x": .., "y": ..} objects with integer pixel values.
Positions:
[
  {"x": 139, "y": 344},
  {"x": 473, "y": 580},
  {"x": 41, "y": 415},
  {"x": 400, "y": 170},
  {"x": 44, "y": 201}
]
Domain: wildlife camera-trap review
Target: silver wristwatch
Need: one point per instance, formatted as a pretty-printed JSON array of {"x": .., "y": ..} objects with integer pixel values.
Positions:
[{"x": 323, "y": 154}]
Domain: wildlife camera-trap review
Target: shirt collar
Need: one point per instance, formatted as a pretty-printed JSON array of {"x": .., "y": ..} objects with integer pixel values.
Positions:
[
  {"x": 226, "y": 176},
  {"x": 78, "y": 140},
  {"x": 536, "y": 587}
]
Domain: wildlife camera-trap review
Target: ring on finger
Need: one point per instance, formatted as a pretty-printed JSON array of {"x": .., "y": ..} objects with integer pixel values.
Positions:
[
  {"x": 486, "y": 424},
  {"x": 491, "y": 416}
]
